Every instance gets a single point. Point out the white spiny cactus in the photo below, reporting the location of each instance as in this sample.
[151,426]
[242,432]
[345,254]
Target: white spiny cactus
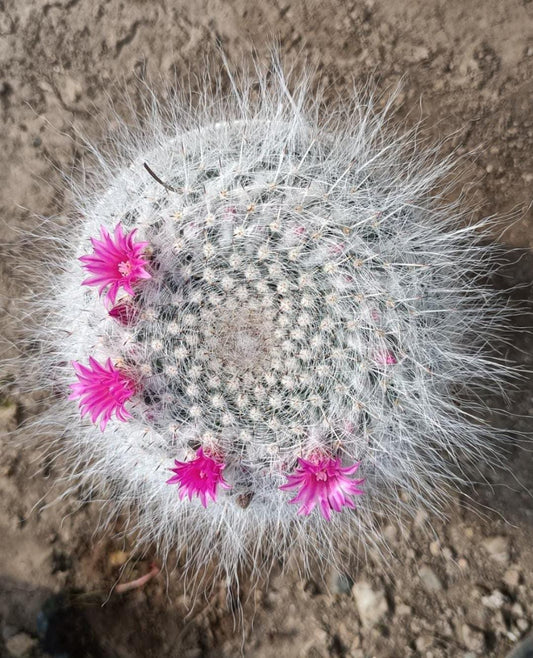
[309,298]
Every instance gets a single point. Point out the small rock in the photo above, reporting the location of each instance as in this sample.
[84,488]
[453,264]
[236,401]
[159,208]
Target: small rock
[429,579]
[522,625]
[517,610]
[511,577]
[444,628]
[118,558]
[70,90]
[434,548]
[390,533]
[498,548]
[20,645]
[494,601]
[423,643]
[473,639]
[340,583]
[462,564]
[371,603]
[419,54]
[512,635]
[8,414]
[403,610]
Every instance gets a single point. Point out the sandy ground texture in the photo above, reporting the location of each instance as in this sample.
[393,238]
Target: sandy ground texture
[466,588]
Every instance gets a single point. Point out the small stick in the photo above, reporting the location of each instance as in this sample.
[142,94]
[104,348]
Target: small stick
[138,582]
[156,177]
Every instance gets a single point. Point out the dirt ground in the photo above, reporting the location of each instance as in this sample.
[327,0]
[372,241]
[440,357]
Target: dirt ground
[464,590]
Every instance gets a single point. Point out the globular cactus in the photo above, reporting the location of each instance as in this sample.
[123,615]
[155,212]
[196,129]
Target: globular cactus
[265,304]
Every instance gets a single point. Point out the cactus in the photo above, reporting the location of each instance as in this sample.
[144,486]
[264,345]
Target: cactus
[262,307]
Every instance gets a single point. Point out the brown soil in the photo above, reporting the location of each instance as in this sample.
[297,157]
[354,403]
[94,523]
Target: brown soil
[467,589]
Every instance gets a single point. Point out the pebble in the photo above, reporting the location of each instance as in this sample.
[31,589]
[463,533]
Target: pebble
[371,603]
[511,577]
[340,583]
[429,579]
[423,643]
[70,90]
[419,54]
[403,610]
[8,414]
[494,601]
[498,548]
[118,558]
[20,645]
[473,639]
[522,625]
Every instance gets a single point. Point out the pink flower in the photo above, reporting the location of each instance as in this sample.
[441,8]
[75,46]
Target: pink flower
[103,390]
[199,477]
[116,262]
[385,358]
[125,313]
[322,480]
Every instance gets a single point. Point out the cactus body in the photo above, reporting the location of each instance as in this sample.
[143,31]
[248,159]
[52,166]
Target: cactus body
[306,309]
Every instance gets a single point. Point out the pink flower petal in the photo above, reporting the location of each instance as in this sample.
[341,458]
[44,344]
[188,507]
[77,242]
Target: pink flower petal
[385,358]
[125,313]
[199,477]
[117,262]
[323,481]
[103,391]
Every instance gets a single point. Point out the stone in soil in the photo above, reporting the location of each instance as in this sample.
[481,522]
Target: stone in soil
[429,579]
[371,603]
[497,548]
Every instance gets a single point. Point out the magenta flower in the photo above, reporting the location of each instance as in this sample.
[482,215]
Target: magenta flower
[103,391]
[116,262]
[199,477]
[322,480]
[385,358]
[125,313]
